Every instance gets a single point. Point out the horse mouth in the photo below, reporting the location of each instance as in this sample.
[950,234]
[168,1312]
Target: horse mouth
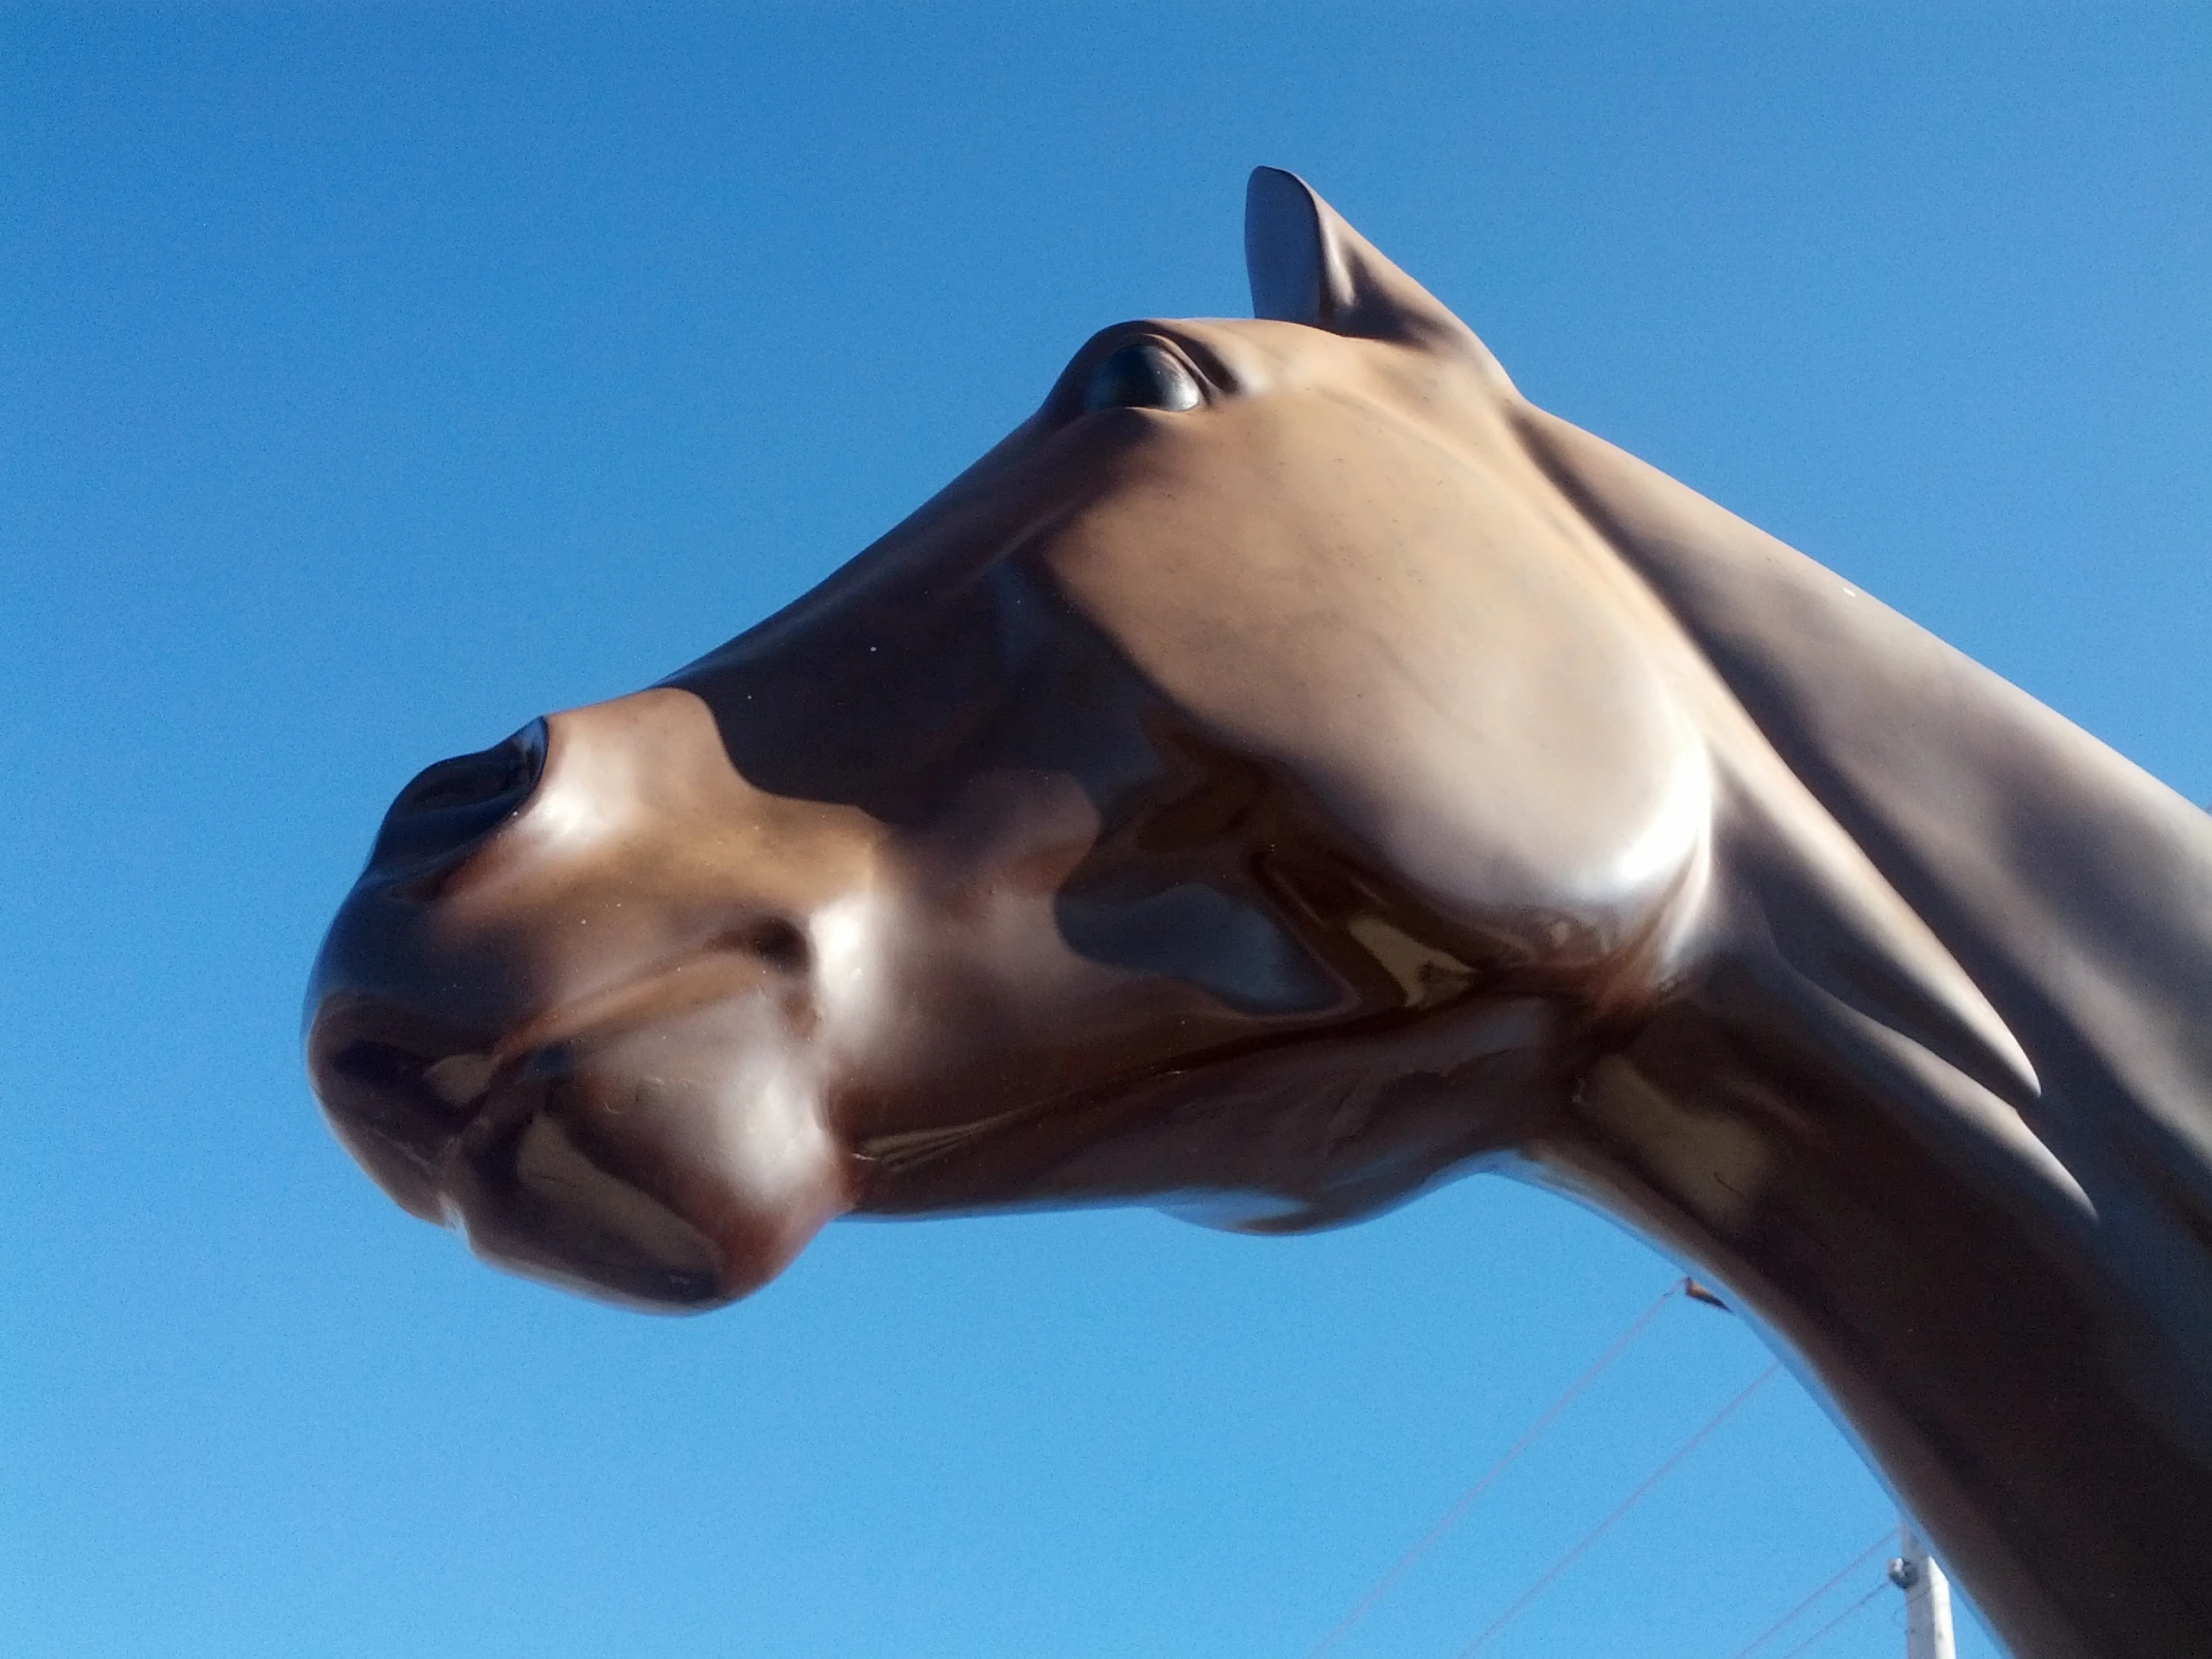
[542,1181]
[518,1155]
[393,1092]
[656,1145]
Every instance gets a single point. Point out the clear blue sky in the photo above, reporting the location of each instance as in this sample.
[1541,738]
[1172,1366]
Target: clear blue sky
[370,381]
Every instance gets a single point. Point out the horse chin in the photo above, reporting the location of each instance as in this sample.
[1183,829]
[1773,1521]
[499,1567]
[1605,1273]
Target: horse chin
[677,1164]
[538,1203]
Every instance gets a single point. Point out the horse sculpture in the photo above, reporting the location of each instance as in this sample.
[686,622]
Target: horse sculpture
[1292,771]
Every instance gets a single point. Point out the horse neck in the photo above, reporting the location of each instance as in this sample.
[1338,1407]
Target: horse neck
[2004,1288]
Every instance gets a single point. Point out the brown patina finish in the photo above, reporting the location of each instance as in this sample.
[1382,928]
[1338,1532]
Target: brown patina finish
[1292,771]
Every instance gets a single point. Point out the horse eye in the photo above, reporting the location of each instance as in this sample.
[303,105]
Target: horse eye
[1141,375]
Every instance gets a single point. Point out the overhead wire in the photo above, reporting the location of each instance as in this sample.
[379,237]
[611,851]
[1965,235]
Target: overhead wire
[1650,1482]
[1887,1536]
[1822,1634]
[1451,1517]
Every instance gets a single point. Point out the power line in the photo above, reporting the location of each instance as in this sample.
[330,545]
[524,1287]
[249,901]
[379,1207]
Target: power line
[1606,1525]
[1821,1634]
[1451,1517]
[1881,1541]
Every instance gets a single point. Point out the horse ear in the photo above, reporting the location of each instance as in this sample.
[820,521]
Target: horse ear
[1307,266]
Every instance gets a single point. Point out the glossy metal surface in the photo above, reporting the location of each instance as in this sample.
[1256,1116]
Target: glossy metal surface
[1291,771]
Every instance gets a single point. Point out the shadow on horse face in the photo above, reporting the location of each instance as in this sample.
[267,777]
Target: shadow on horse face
[1251,788]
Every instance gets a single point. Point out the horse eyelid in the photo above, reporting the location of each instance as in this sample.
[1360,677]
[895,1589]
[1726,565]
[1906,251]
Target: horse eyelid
[1215,377]
[1205,371]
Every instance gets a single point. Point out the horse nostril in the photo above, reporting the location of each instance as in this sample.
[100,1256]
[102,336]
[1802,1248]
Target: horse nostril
[454,804]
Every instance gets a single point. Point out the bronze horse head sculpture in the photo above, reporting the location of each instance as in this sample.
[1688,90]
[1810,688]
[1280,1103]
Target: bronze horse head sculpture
[1292,771]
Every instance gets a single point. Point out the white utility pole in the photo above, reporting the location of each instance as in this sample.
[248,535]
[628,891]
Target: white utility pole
[1928,1632]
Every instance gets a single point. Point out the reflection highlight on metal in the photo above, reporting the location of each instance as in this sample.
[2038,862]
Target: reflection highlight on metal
[1292,771]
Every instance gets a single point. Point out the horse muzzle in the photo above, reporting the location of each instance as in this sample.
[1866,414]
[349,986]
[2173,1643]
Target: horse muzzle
[558,1011]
